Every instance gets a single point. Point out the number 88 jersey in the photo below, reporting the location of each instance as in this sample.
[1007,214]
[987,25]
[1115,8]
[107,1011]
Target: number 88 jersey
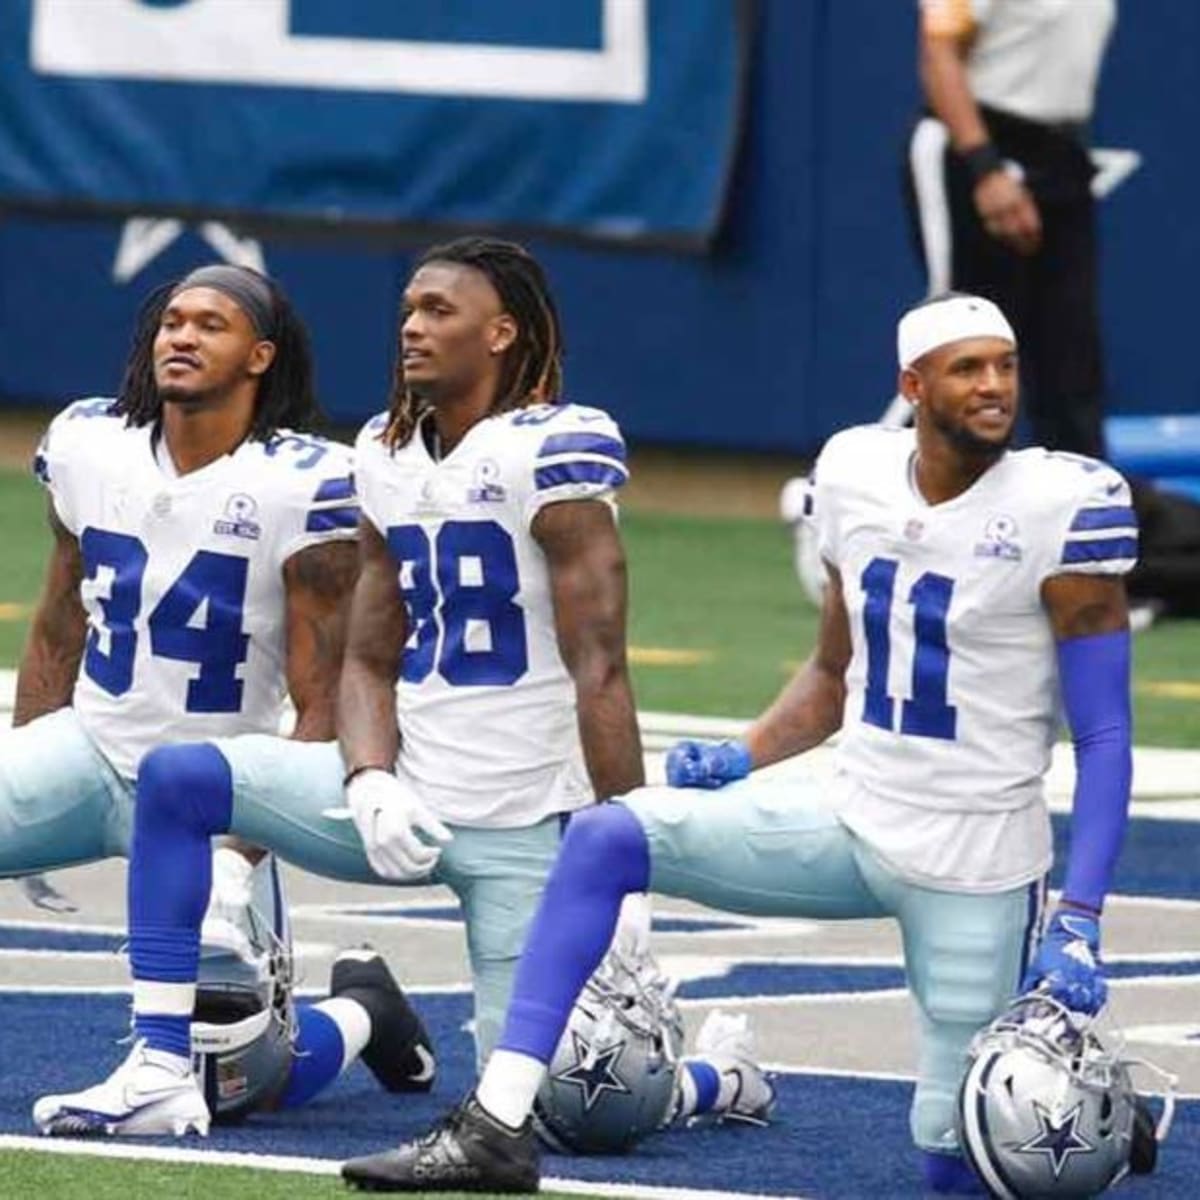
[486,707]
[183,574]
[952,699]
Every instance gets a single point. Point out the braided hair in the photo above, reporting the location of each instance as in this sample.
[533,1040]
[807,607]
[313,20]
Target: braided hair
[531,368]
[286,393]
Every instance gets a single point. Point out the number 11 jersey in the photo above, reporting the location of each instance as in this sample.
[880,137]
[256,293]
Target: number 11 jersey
[952,699]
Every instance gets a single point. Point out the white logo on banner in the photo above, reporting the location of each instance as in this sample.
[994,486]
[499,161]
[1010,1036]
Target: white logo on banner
[143,239]
[215,41]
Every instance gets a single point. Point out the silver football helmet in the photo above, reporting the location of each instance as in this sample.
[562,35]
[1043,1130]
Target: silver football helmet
[612,1077]
[1046,1111]
[244,1020]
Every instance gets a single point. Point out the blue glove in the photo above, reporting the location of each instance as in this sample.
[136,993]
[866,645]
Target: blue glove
[707,764]
[1067,964]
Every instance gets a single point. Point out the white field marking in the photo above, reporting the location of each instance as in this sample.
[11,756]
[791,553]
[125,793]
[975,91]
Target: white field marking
[54,926]
[379,912]
[179,1154]
[332,1166]
[301,952]
[1151,957]
[122,989]
[810,999]
[781,1068]
[1179,1035]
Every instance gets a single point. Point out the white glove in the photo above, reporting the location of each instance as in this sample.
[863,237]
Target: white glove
[389,815]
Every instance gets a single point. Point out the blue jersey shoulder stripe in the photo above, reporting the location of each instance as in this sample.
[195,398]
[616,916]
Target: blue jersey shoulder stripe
[579,472]
[583,443]
[1117,517]
[321,520]
[341,488]
[1100,550]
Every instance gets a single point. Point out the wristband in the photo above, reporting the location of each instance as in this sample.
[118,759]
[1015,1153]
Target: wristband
[981,160]
[355,772]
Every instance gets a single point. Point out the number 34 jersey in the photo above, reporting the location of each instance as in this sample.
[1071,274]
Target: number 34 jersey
[183,574]
[488,723]
[952,699]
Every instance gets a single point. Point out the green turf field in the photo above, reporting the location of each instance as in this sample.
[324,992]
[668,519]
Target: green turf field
[65,1177]
[719,594]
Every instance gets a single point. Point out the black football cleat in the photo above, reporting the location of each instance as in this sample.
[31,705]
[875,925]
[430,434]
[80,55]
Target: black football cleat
[399,1054]
[468,1151]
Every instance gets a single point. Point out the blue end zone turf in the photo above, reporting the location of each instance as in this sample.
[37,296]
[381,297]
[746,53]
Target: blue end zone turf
[1158,859]
[46,937]
[834,1137]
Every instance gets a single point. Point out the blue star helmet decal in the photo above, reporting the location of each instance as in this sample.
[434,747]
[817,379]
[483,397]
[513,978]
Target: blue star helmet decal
[1059,1137]
[595,1071]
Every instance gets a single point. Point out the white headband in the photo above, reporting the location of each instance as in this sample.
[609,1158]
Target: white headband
[941,322]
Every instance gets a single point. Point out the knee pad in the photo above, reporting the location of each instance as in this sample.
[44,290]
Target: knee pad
[188,784]
[606,846]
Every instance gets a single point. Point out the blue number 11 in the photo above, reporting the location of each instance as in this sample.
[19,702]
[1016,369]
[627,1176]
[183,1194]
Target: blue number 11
[927,714]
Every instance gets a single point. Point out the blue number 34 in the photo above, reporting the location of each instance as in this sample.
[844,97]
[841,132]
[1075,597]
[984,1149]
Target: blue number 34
[927,714]
[217,581]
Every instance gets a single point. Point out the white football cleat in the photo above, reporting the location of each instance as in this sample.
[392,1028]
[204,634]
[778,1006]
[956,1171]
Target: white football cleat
[148,1095]
[726,1041]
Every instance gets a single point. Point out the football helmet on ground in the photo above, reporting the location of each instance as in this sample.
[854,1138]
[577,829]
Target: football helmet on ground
[244,1020]
[612,1076]
[1046,1111]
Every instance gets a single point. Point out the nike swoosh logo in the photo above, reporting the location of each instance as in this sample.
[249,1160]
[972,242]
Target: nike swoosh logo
[136,1098]
[428,1065]
[1114,488]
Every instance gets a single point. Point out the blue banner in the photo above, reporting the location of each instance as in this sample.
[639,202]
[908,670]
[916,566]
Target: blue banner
[608,118]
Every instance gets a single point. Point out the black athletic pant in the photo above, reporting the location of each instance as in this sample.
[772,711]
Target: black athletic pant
[1050,297]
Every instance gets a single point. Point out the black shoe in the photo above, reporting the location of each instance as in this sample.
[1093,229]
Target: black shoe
[399,1053]
[468,1151]
[1143,1149]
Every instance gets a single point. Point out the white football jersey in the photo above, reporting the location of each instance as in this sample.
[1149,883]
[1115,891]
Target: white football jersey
[183,574]
[486,707]
[952,701]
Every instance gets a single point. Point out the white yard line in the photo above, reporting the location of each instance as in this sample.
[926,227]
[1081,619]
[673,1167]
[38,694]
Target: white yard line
[329,1166]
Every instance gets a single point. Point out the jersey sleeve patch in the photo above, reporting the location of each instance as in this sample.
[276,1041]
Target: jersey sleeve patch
[333,506]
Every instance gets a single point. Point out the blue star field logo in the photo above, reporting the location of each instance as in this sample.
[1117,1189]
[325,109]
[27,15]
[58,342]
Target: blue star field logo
[1059,1138]
[594,1071]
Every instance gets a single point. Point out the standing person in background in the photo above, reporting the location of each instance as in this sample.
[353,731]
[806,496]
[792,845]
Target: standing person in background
[998,186]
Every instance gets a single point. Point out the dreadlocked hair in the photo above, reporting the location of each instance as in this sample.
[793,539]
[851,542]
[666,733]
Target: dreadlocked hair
[531,369]
[286,397]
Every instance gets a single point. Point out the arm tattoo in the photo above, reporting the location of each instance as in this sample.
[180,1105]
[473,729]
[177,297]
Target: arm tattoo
[50,663]
[319,581]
